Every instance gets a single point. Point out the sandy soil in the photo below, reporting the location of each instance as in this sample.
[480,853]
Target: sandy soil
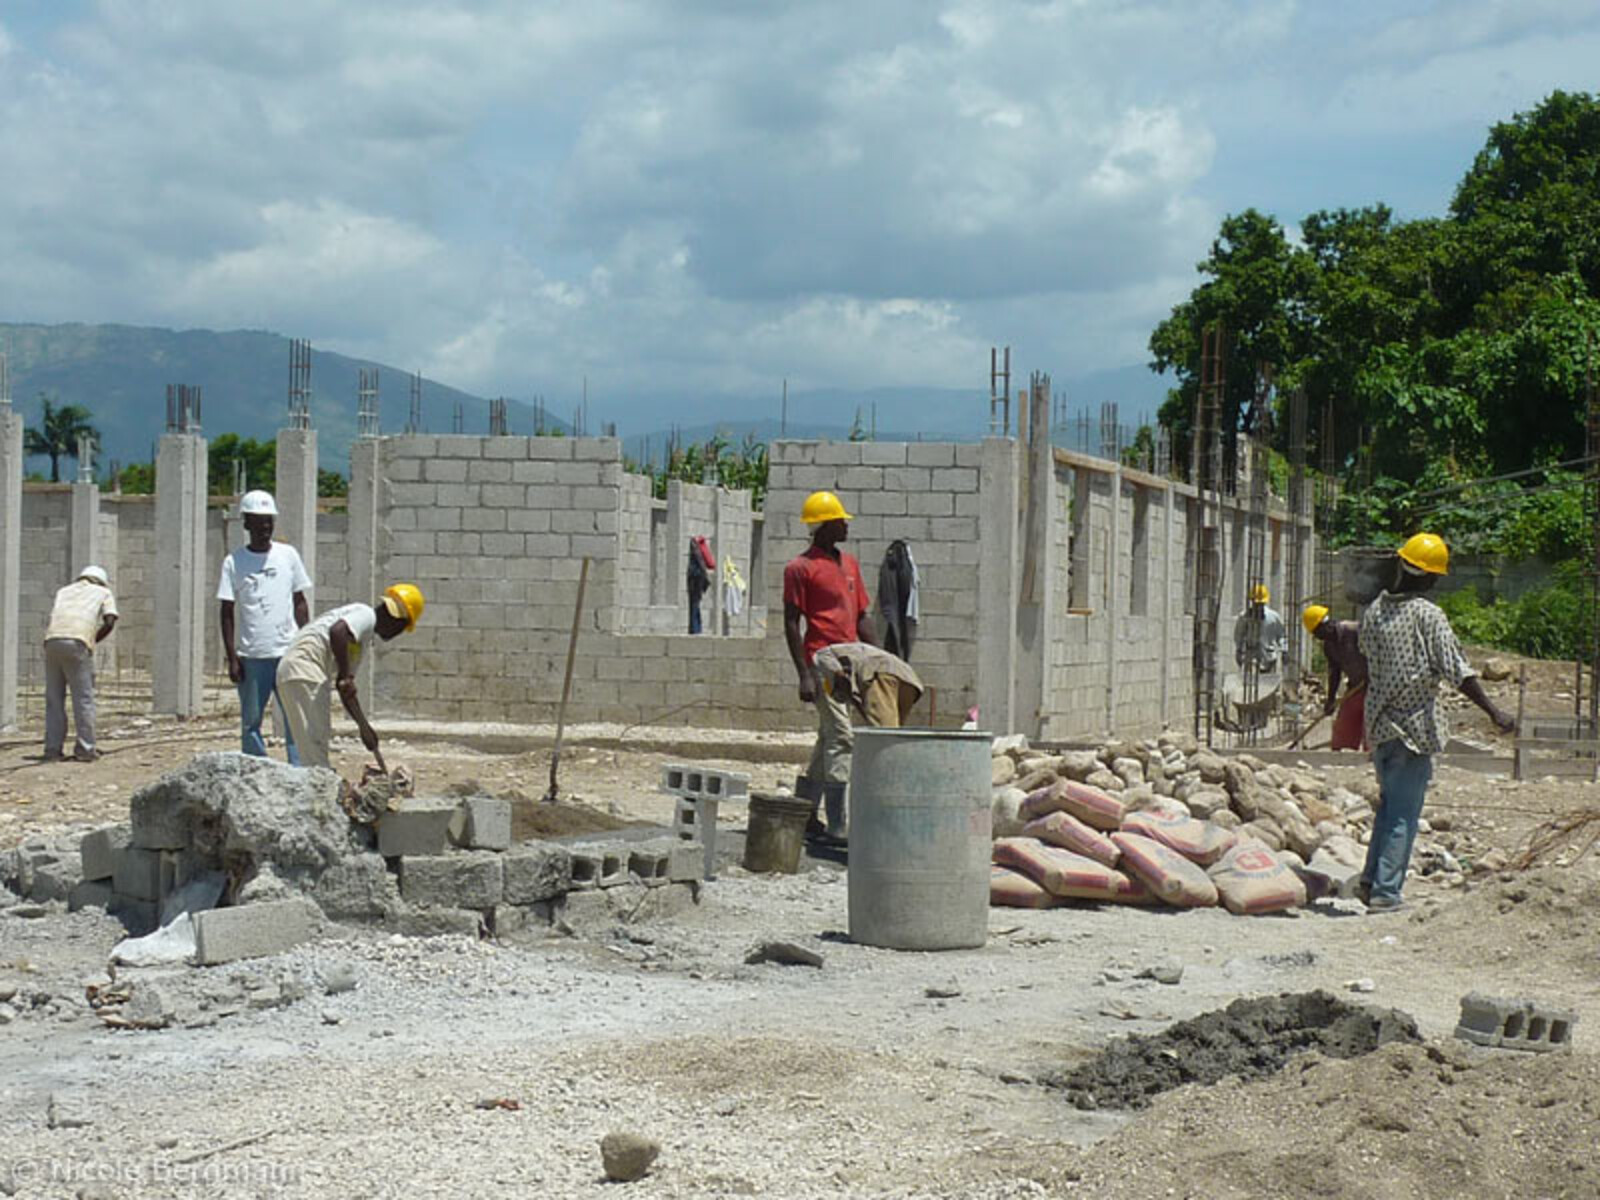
[880,1074]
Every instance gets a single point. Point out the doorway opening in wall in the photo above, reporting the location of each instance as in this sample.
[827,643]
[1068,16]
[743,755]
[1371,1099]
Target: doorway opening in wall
[659,588]
[1078,546]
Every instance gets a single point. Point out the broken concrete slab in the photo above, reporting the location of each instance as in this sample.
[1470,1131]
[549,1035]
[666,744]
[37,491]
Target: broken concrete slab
[417,827]
[55,874]
[464,879]
[536,871]
[253,930]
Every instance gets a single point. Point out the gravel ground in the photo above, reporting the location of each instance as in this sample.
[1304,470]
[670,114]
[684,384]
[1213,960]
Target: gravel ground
[879,1074]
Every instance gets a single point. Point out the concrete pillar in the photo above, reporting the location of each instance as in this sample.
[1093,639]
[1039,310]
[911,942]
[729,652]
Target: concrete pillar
[10,559]
[998,463]
[1115,598]
[84,530]
[1036,559]
[677,535]
[296,493]
[365,582]
[177,669]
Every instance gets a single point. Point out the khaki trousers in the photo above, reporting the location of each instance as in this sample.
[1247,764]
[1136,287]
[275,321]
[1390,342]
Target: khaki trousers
[308,707]
[68,666]
[830,757]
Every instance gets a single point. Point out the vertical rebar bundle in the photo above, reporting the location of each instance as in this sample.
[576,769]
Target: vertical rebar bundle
[1207,472]
[457,424]
[1110,435]
[5,383]
[183,408]
[367,403]
[1327,509]
[999,393]
[1163,464]
[1294,597]
[414,421]
[299,384]
[497,418]
[1257,444]
[85,459]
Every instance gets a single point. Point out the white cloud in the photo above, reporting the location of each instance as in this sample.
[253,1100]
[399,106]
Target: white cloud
[703,197]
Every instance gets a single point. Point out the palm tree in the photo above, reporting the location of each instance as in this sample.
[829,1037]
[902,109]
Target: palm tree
[62,427]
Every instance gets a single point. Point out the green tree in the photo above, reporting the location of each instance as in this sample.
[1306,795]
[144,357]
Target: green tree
[331,483]
[260,459]
[58,433]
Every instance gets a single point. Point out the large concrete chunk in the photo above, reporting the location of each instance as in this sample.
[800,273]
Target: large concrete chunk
[468,879]
[99,850]
[55,874]
[417,827]
[231,805]
[252,930]
[536,871]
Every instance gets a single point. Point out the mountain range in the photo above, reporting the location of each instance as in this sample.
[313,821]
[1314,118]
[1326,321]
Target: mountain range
[120,374]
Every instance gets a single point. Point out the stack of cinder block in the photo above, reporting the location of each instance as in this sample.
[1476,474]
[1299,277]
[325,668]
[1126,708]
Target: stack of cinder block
[699,792]
[291,858]
[1515,1024]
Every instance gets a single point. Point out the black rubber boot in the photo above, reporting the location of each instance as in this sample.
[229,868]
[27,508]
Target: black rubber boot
[806,789]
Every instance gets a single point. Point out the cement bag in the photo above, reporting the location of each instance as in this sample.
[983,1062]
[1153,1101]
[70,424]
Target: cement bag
[1195,840]
[1044,800]
[1096,809]
[1005,812]
[1013,889]
[1063,873]
[1065,830]
[1168,874]
[1252,880]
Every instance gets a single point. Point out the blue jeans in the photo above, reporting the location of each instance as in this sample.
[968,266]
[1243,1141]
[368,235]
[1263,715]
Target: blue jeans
[1402,782]
[255,690]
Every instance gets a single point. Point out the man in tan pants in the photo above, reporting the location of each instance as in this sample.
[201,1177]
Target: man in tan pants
[82,617]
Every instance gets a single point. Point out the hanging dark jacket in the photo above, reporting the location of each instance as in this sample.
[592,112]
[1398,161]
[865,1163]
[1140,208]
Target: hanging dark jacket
[897,586]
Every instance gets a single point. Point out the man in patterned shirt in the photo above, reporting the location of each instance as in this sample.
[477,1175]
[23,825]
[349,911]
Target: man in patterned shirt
[1410,648]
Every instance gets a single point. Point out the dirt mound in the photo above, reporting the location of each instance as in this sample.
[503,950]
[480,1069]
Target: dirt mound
[1425,1122]
[532,819]
[1527,917]
[1250,1038]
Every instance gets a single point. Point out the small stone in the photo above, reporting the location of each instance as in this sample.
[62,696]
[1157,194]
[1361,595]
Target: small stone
[1166,972]
[627,1156]
[341,977]
[29,911]
[1362,985]
[330,1018]
[785,953]
[945,991]
[7,1014]
[7,990]
[166,1143]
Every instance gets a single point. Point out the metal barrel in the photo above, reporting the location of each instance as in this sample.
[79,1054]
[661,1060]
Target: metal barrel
[920,838]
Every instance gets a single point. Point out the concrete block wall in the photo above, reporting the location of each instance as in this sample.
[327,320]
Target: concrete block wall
[46,566]
[330,587]
[653,550]
[134,580]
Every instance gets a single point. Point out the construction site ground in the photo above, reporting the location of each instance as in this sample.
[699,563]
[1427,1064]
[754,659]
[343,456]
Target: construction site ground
[458,1067]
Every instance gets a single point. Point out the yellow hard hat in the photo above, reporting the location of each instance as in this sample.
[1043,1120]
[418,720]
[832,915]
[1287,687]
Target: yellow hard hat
[1427,554]
[823,506]
[1314,615]
[407,599]
[1259,594]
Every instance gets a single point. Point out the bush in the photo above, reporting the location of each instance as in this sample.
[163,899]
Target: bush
[1553,622]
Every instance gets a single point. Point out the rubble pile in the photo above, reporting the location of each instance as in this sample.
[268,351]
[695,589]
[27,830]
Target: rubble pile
[285,854]
[1165,819]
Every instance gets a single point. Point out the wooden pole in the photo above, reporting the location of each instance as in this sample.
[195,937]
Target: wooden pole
[566,685]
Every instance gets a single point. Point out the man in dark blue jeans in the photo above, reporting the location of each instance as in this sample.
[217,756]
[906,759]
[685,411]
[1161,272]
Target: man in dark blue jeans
[1410,648]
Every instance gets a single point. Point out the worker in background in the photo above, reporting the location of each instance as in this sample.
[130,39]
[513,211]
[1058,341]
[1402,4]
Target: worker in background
[1259,632]
[1341,647]
[323,658]
[262,595]
[1410,648]
[825,603]
[83,616]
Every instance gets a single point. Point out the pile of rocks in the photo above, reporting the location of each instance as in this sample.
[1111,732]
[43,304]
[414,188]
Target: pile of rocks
[1292,810]
[287,856]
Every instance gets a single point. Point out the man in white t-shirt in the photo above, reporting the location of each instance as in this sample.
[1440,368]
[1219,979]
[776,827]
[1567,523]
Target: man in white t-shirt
[263,600]
[81,618]
[323,658]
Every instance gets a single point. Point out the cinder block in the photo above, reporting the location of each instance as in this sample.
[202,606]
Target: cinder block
[155,823]
[1515,1024]
[357,888]
[536,871]
[696,820]
[609,862]
[145,874]
[55,873]
[252,930]
[422,921]
[91,893]
[482,823]
[420,827]
[469,879]
[648,862]
[100,849]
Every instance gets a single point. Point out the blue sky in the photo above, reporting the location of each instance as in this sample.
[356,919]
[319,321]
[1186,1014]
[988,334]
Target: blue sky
[687,203]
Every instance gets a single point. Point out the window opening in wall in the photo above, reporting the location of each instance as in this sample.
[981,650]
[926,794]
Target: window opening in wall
[758,561]
[1079,547]
[1139,567]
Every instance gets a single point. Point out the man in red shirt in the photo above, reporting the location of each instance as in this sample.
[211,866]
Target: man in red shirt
[823,587]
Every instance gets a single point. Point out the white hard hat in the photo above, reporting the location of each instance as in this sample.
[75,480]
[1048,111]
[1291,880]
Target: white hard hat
[98,574]
[258,504]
